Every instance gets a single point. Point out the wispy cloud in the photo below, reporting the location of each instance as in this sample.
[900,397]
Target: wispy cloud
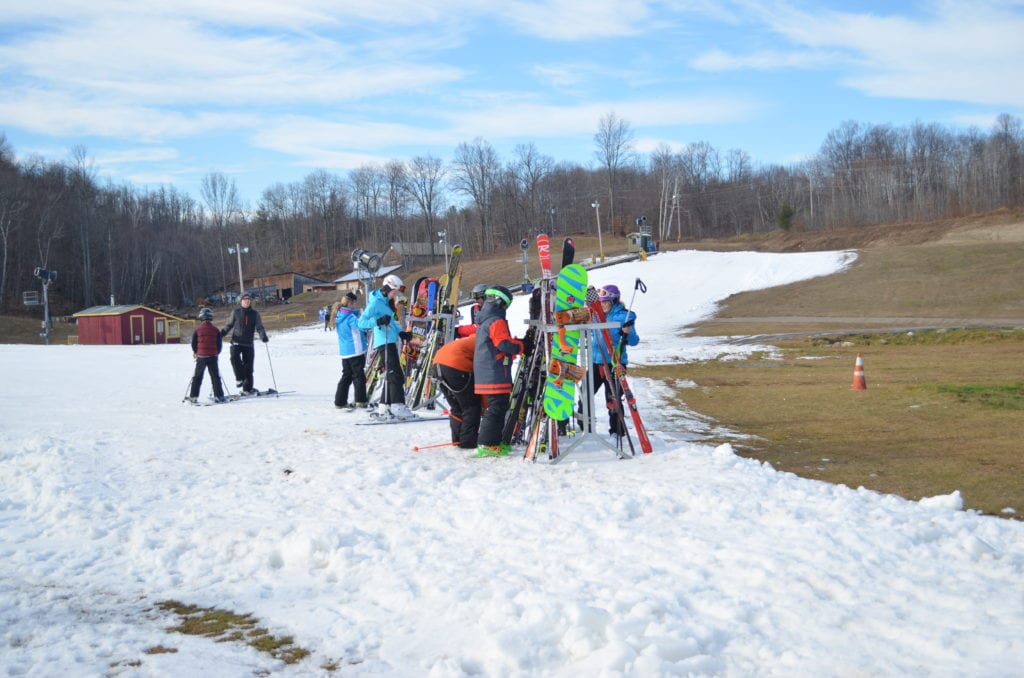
[767,60]
[576,20]
[958,52]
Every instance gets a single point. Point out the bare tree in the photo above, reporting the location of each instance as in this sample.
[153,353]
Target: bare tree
[614,140]
[475,172]
[221,197]
[424,176]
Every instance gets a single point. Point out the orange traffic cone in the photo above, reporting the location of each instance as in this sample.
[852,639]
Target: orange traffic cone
[859,383]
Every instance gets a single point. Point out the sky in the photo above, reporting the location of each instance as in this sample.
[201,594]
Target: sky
[267,92]
[384,561]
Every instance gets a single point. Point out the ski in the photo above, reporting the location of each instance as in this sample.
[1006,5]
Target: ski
[568,252]
[544,254]
[613,372]
[387,422]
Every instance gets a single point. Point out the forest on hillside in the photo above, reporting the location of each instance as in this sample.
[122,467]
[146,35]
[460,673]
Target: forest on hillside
[163,246]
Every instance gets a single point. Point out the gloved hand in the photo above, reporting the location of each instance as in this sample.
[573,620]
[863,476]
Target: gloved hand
[383,320]
[620,370]
[405,335]
[265,338]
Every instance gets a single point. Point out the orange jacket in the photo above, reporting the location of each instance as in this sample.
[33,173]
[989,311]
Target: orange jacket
[457,354]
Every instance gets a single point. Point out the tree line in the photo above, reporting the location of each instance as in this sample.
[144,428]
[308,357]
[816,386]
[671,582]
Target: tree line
[162,246]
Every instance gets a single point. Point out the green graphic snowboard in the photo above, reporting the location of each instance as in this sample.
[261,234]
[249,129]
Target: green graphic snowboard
[570,293]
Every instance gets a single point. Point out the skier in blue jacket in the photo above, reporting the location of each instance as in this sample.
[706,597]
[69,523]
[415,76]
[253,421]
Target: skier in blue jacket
[623,335]
[379,315]
[352,348]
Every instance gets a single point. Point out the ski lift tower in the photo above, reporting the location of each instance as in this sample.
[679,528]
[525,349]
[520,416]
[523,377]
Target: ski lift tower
[46,277]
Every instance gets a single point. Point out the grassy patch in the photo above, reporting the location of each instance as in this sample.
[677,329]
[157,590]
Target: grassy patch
[928,424]
[227,626]
[1008,396]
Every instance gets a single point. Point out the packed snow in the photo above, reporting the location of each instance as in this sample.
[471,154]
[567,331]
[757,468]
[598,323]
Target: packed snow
[382,561]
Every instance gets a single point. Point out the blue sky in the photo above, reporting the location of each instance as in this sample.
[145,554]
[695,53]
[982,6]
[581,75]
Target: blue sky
[266,91]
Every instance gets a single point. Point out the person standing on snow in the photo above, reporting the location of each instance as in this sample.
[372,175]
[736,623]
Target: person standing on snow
[469,330]
[454,365]
[622,336]
[206,347]
[379,316]
[352,348]
[244,324]
[496,348]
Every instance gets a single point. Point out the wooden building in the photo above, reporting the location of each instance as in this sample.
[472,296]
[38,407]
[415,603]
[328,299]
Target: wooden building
[128,324]
[283,286]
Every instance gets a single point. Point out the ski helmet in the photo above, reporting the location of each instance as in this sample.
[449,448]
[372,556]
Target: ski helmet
[479,291]
[609,293]
[499,293]
[205,314]
[393,282]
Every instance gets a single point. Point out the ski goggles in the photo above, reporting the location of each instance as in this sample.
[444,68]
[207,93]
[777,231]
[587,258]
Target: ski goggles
[498,295]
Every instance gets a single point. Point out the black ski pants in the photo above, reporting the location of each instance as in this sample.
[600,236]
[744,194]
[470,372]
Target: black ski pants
[493,422]
[202,365]
[394,378]
[242,356]
[352,374]
[616,424]
[463,405]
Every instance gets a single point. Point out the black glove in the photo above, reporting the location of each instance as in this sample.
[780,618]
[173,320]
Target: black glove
[383,320]
[265,338]
[405,335]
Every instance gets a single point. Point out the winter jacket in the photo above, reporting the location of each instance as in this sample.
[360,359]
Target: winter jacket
[351,339]
[245,322]
[206,341]
[617,314]
[495,350]
[376,306]
[457,354]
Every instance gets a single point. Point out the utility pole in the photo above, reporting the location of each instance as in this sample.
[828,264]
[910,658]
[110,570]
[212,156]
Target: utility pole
[597,211]
[238,249]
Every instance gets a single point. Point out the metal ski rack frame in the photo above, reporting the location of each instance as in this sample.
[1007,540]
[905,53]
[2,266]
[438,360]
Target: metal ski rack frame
[587,385]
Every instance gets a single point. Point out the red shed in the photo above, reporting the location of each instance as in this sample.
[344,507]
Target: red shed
[131,324]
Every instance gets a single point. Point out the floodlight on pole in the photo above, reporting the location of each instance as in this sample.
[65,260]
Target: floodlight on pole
[597,211]
[443,235]
[239,250]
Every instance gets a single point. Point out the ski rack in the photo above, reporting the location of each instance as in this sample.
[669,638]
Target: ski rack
[587,395]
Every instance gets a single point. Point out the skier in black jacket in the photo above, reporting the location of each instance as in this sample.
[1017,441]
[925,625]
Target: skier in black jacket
[245,323]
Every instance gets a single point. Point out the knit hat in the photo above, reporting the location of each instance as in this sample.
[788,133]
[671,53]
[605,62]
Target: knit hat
[350,296]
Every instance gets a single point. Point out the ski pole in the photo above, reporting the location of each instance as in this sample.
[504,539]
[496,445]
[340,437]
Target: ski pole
[638,285]
[417,448]
[271,364]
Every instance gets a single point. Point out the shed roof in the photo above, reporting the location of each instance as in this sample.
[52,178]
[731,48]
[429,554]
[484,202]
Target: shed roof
[120,309]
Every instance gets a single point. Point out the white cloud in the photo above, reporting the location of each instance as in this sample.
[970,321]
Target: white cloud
[576,20]
[61,115]
[719,60]
[971,52]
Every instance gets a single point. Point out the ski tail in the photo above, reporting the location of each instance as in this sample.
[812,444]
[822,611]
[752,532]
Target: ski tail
[544,254]
[568,252]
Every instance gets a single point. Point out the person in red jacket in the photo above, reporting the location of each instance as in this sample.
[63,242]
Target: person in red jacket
[496,349]
[454,365]
[206,346]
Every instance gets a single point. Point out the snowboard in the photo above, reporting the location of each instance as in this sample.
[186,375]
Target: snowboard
[570,293]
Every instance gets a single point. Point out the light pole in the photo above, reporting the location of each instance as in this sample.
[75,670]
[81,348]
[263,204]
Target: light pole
[238,249]
[597,211]
[443,235]
[552,221]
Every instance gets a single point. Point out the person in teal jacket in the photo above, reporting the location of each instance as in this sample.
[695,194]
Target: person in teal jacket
[623,336]
[352,348]
[379,316]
